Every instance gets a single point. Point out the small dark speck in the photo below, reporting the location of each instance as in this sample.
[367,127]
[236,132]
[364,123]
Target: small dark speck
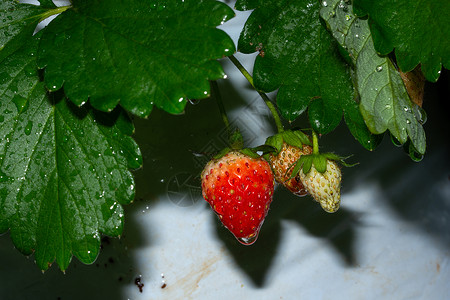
[163,286]
[438,267]
[138,283]
[111,260]
[120,278]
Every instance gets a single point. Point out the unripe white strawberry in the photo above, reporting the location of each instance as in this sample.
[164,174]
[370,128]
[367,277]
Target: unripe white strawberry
[325,187]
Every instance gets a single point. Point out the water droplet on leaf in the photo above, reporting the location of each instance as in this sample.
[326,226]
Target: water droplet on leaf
[20,103]
[28,128]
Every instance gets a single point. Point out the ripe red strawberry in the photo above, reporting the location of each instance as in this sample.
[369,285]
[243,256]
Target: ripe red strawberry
[282,167]
[239,189]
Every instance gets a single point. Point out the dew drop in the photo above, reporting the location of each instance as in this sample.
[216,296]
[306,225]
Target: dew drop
[408,121]
[20,103]
[347,17]
[379,68]
[332,14]
[388,106]
[324,3]
[28,128]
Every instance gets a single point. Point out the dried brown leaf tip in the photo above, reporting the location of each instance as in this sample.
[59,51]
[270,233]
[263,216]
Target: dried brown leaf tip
[415,84]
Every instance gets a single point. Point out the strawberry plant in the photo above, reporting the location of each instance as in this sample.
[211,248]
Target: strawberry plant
[69,92]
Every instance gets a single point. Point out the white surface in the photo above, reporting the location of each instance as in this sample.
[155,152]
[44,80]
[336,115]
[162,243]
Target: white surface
[389,240]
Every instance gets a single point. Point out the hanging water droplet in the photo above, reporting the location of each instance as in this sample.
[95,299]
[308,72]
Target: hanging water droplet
[420,114]
[248,240]
[379,68]
[194,101]
[324,3]
[405,108]
[408,121]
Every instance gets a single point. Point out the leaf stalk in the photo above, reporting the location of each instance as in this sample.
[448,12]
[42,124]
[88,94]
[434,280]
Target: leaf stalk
[270,105]
[55,11]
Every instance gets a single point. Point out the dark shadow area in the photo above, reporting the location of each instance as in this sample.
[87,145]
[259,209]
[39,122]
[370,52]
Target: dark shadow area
[255,260]
[104,279]
[418,192]
[336,229]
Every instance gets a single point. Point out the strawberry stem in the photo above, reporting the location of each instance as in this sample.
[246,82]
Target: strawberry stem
[315,143]
[270,105]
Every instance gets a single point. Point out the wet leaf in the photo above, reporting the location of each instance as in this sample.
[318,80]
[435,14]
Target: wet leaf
[385,104]
[17,24]
[139,53]
[300,58]
[417,30]
[64,170]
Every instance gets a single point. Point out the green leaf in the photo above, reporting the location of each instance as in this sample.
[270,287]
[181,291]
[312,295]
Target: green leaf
[138,53]
[246,4]
[63,170]
[385,104]
[17,24]
[47,3]
[357,126]
[298,56]
[275,141]
[418,30]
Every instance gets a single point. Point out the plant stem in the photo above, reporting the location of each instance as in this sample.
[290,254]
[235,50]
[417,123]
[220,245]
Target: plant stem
[266,99]
[218,98]
[315,143]
[54,11]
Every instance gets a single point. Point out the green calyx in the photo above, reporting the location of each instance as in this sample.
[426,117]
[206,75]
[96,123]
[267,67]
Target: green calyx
[319,160]
[237,144]
[294,138]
